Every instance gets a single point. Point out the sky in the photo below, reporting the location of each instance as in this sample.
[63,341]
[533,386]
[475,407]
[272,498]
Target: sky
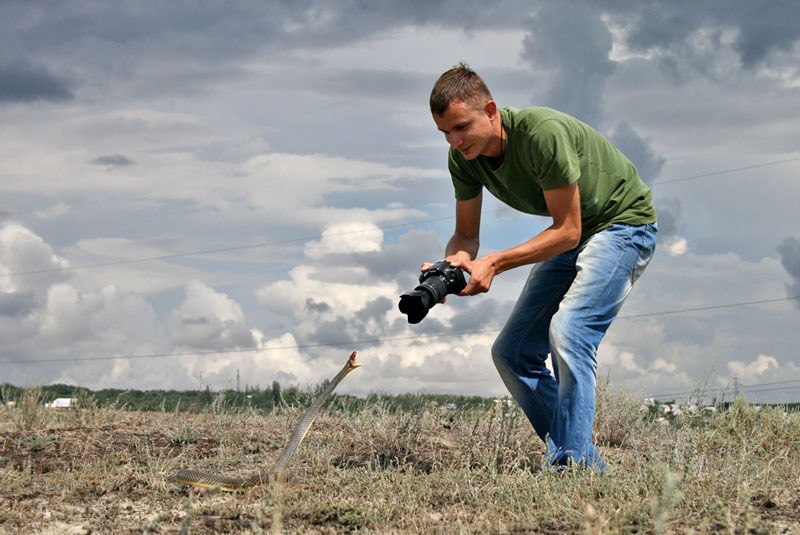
[225,194]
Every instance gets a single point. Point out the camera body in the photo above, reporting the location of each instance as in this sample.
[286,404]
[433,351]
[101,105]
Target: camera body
[437,281]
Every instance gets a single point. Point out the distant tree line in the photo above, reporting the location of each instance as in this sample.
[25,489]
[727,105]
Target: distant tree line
[254,398]
[266,399]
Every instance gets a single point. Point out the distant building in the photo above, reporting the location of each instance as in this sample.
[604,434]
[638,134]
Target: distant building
[62,404]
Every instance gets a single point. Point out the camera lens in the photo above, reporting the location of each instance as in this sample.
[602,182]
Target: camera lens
[435,283]
[412,304]
[416,303]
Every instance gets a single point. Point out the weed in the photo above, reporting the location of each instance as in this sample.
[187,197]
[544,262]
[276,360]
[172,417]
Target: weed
[37,442]
[28,412]
[184,435]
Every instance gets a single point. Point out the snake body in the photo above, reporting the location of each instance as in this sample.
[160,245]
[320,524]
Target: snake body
[199,478]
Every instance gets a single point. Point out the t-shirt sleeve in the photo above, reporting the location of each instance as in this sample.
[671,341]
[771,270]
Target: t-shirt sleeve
[465,184]
[555,157]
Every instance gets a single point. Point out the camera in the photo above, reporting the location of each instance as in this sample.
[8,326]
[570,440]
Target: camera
[437,281]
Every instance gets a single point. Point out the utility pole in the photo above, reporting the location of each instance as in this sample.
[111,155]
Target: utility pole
[237,380]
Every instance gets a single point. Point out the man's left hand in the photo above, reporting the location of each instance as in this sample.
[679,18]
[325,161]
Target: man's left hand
[481,273]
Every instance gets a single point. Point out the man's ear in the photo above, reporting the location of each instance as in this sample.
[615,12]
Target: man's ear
[490,108]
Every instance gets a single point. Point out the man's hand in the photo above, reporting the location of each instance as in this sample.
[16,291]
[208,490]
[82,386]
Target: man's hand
[481,274]
[455,260]
[460,256]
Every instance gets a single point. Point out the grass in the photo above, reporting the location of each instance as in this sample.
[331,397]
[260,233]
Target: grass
[378,470]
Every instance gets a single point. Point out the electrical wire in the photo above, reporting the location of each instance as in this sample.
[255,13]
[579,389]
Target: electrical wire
[220,250]
[725,171]
[742,389]
[173,256]
[359,343]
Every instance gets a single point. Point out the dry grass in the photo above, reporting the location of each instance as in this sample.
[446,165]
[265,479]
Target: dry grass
[430,470]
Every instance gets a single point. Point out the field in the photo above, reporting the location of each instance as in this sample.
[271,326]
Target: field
[429,469]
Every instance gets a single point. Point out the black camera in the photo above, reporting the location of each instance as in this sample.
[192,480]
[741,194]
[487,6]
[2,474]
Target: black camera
[437,281]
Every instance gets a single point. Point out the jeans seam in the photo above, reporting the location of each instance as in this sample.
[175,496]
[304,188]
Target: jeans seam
[520,344]
[620,252]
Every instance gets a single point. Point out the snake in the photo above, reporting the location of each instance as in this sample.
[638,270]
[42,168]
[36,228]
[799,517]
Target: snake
[201,479]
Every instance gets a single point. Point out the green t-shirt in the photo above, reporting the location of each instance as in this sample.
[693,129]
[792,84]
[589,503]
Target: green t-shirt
[547,149]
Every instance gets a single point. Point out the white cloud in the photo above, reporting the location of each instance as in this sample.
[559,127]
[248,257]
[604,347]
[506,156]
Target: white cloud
[628,361]
[754,369]
[676,247]
[343,290]
[409,48]
[208,319]
[202,302]
[663,366]
[346,238]
[67,313]
[22,251]
[288,187]
[55,211]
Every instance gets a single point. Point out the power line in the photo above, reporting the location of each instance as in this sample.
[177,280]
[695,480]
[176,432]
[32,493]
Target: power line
[173,256]
[751,391]
[742,388]
[735,170]
[357,343]
[220,250]
[711,307]
[354,343]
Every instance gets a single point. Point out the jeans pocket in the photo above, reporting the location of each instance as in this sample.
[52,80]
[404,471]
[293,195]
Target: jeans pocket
[645,240]
[645,237]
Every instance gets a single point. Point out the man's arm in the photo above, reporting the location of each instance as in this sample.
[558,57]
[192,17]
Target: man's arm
[464,243]
[564,234]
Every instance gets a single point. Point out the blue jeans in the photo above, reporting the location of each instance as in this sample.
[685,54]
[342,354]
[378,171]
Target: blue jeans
[565,309]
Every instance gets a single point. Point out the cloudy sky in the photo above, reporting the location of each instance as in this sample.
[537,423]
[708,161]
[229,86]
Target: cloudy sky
[191,192]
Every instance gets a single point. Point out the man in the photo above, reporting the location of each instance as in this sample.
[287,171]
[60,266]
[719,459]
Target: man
[603,233]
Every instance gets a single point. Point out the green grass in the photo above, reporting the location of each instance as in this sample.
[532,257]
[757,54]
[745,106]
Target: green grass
[372,468]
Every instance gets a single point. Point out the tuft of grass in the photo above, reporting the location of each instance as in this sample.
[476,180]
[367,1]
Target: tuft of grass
[183,435]
[28,413]
[620,419]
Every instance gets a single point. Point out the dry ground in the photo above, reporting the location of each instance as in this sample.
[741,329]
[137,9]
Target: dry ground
[373,471]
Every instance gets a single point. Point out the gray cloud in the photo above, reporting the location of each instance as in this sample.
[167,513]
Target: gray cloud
[367,323]
[21,81]
[576,68]
[17,303]
[400,261]
[375,310]
[639,151]
[765,26]
[577,71]
[380,84]
[761,26]
[669,213]
[485,313]
[789,250]
[204,333]
[312,305]
[113,160]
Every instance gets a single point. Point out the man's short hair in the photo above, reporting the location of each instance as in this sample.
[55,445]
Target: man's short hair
[460,83]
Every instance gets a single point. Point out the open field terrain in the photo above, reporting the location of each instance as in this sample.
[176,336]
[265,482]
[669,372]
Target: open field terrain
[374,470]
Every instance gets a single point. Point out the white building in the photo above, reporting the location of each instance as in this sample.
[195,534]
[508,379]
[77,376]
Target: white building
[62,403]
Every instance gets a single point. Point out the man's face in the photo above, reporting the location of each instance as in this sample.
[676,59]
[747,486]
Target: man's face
[468,128]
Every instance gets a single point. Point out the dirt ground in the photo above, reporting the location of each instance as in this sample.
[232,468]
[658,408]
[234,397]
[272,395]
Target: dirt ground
[106,472]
